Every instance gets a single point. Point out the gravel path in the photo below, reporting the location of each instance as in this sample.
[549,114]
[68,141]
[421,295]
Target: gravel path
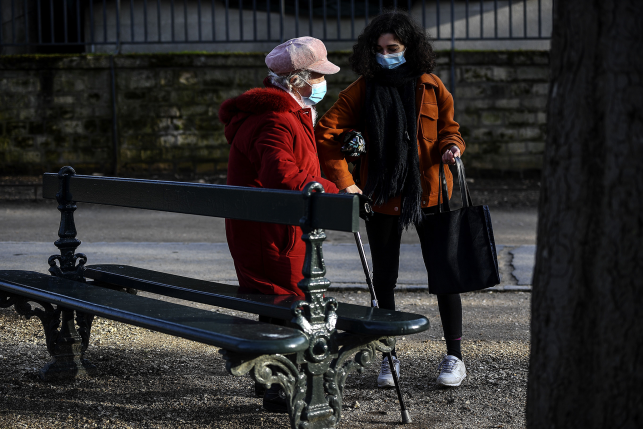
[151,380]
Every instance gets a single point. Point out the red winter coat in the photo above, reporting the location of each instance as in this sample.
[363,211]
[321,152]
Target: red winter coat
[272,145]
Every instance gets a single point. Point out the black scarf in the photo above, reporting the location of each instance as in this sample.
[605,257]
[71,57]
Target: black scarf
[390,122]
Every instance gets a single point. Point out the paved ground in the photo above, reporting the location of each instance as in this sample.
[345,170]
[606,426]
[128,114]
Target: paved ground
[192,245]
[38,221]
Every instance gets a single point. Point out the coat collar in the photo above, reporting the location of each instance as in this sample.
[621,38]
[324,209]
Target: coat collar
[428,79]
[256,101]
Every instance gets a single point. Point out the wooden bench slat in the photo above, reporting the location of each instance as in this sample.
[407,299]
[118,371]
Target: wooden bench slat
[225,331]
[332,211]
[353,318]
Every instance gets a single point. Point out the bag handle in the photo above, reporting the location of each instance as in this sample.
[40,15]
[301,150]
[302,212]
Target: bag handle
[464,188]
[442,190]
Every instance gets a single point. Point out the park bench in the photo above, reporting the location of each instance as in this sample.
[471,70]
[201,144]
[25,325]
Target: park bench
[310,356]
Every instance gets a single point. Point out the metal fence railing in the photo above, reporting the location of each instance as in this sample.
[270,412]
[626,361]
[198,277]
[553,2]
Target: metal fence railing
[102,25]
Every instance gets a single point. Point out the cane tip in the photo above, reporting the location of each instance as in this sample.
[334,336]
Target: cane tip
[406,417]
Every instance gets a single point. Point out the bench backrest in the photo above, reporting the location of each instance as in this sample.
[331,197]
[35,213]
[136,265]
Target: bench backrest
[325,211]
[311,209]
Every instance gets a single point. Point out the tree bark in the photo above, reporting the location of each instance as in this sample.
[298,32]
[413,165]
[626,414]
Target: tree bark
[586,367]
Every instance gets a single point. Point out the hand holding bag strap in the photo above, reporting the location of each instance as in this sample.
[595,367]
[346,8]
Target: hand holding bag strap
[464,188]
[443,190]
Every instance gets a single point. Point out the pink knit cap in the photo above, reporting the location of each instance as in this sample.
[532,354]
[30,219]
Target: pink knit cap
[302,53]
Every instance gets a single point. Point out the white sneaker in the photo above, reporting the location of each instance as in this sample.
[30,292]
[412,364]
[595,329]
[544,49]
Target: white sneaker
[452,372]
[385,379]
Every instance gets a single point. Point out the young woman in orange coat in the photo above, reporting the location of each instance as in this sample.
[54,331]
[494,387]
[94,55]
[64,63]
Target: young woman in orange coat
[406,116]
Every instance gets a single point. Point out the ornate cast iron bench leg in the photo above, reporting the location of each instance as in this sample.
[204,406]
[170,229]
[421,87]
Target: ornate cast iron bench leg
[66,343]
[314,390]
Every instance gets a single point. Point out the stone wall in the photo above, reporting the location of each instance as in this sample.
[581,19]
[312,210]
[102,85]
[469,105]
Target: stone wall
[500,103]
[57,110]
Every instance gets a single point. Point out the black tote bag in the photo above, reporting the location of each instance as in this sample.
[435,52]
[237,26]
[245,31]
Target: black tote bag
[459,248]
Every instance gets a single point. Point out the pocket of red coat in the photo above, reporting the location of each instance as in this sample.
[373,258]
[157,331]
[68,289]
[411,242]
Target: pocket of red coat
[291,239]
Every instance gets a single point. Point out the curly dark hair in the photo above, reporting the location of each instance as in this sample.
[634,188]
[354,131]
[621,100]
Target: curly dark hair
[419,52]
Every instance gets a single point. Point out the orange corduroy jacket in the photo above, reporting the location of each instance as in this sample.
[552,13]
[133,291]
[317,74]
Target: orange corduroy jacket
[436,127]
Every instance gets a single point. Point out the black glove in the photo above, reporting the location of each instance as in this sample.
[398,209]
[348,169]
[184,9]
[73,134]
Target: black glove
[354,144]
[365,207]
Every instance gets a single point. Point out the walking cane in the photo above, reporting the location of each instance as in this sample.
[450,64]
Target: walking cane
[406,417]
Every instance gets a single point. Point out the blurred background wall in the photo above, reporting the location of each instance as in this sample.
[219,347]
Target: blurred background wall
[133,87]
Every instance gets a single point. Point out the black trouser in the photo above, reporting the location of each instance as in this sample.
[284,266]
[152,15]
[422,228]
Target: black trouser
[384,236]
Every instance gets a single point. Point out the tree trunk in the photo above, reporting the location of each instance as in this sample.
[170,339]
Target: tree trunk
[586,368]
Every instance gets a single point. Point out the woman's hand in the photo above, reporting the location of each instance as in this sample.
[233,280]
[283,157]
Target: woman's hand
[353,189]
[449,155]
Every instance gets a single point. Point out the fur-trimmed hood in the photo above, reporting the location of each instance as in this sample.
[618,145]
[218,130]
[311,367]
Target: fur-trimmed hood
[235,111]
[257,100]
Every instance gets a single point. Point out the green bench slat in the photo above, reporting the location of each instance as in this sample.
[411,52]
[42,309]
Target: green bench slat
[352,318]
[331,211]
[228,332]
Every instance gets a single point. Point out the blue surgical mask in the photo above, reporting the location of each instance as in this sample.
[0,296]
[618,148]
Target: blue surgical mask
[391,61]
[319,90]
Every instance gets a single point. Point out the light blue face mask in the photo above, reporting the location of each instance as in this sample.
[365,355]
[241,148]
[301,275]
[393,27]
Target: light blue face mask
[319,90]
[391,61]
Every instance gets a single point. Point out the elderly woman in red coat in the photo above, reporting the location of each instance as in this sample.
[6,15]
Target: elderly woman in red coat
[272,145]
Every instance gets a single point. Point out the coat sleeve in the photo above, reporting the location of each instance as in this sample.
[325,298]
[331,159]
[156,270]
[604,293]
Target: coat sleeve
[448,128]
[273,158]
[343,116]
